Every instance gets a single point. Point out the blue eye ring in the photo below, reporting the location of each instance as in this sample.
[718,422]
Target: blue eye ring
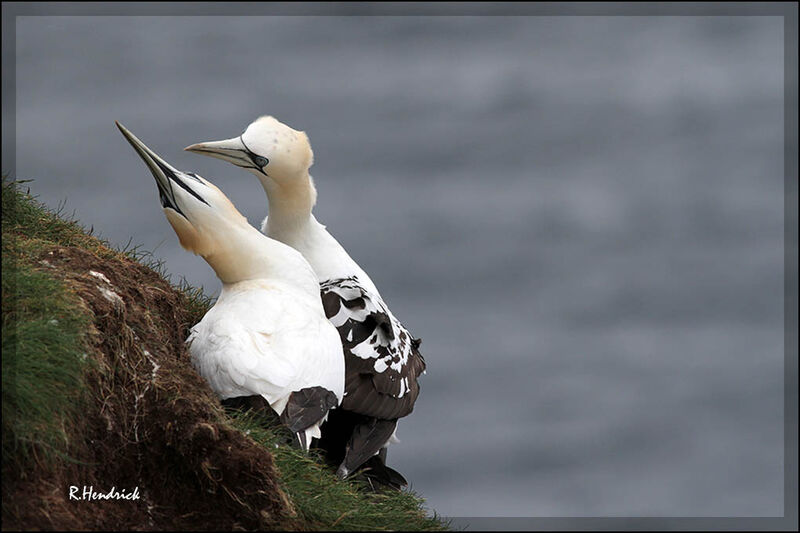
[257,160]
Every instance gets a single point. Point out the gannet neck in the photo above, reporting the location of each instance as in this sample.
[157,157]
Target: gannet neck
[290,202]
[243,254]
[321,249]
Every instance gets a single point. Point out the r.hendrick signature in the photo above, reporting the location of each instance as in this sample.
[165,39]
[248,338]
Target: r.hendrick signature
[90,494]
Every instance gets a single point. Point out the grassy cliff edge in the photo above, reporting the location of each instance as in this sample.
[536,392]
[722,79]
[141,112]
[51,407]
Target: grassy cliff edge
[98,391]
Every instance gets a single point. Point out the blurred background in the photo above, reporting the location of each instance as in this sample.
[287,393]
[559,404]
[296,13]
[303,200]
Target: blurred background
[582,217]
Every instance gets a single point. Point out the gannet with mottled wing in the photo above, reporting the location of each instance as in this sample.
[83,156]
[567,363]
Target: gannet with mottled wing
[267,334]
[382,359]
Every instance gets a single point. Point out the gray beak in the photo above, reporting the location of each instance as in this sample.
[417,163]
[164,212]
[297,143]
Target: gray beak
[230,150]
[165,174]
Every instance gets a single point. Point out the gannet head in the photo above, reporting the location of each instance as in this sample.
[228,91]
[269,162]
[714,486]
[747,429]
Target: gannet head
[268,148]
[206,221]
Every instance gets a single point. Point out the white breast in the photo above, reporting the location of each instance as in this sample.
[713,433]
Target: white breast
[269,339]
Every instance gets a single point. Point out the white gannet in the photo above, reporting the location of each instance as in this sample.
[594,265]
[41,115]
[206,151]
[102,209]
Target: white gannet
[267,334]
[382,359]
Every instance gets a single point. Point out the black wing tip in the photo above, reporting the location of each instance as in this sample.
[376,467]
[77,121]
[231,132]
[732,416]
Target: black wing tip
[306,407]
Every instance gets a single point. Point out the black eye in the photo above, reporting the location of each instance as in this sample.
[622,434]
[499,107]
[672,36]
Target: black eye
[260,161]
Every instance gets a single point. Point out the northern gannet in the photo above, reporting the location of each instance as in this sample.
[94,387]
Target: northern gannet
[382,358]
[267,334]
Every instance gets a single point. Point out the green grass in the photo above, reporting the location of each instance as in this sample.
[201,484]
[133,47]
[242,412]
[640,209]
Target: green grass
[24,216]
[44,361]
[324,501]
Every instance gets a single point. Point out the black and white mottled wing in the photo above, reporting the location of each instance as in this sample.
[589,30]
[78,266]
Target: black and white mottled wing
[382,360]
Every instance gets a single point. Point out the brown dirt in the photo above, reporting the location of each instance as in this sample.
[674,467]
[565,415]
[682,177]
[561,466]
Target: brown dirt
[153,423]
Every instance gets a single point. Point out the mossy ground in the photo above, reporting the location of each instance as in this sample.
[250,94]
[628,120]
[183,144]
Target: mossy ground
[98,390]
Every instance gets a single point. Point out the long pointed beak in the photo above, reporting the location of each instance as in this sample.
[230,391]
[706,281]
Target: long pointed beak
[230,150]
[164,173]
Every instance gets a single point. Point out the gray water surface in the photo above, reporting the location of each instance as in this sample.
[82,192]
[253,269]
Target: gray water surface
[582,217]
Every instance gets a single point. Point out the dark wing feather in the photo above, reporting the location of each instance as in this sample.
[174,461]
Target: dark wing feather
[366,440]
[306,407]
[382,360]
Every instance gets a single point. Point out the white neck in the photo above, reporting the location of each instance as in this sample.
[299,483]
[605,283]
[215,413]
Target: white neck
[245,254]
[290,221]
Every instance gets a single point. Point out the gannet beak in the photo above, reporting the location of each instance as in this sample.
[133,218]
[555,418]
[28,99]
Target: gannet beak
[164,173]
[230,150]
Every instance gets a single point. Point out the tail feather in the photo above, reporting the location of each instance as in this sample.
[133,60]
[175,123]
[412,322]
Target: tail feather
[379,476]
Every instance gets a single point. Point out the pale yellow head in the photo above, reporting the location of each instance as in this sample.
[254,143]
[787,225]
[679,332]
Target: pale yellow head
[277,154]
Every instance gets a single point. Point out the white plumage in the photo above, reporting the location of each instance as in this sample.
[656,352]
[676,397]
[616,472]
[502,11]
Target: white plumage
[267,334]
[266,337]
